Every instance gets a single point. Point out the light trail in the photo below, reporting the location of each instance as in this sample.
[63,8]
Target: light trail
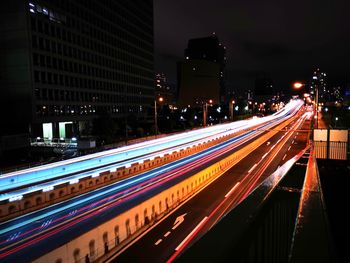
[51,171]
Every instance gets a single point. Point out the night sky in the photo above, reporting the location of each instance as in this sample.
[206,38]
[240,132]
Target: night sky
[285,39]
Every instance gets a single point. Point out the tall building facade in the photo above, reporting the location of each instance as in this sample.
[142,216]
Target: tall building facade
[201,74]
[164,90]
[65,62]
[198,82]
[263,85]
[318,82]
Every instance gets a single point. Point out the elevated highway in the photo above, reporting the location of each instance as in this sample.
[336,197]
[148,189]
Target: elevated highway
[57,225]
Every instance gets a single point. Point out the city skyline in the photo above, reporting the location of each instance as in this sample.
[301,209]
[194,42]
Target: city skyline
[285,40]
[105,158]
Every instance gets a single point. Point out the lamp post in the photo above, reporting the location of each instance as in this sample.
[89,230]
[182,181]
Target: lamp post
[231,106]
[160,99]
[205,112]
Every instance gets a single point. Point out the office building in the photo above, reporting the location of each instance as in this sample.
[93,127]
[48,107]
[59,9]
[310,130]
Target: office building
[318,82]
[164,90]
[66,62]
[201,74]
[199,82]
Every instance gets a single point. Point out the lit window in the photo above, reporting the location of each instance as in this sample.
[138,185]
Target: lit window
[31,8]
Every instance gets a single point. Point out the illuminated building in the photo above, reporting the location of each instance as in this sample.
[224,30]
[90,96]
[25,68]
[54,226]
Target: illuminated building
[318,82]
[164,90]
[66,62]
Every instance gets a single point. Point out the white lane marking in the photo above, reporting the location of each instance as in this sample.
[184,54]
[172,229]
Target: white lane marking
[284,157]
[157,243]
[295,137]
[264,156]
[273,147]
[292,141]
[233,188]
[268,143]
[190,234]
[289,148]
[251,169]
[179,220]
[167,234]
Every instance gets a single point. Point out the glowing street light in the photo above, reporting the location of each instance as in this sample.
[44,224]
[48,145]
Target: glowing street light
[205,111]
[231,105]
[160,99]
[298,85]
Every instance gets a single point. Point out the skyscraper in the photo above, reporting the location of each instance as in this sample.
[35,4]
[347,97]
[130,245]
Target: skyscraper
[318,82]
[164,90]
[263,85]
[209,49]
[64,62]
[201,74]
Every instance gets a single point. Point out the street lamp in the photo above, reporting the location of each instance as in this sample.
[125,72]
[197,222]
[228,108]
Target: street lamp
[160,99]
[205,111]
[231,106]
[298,85]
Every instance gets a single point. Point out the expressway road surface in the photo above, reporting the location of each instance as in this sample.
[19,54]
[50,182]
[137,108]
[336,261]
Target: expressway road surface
[169,237]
